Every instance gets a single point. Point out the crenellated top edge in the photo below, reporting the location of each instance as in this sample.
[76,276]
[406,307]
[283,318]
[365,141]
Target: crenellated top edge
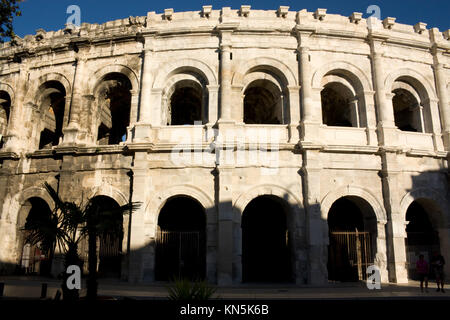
[319,21]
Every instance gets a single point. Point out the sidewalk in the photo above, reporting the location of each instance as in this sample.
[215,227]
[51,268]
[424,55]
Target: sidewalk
[30,287]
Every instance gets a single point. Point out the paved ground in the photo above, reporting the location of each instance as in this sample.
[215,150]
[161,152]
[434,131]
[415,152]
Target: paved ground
[30,287]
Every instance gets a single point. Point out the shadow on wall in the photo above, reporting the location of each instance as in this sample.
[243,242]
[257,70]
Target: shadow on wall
[270,238]
[426,209]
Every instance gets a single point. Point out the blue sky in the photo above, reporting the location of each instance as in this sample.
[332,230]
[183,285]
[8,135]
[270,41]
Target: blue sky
[51,14]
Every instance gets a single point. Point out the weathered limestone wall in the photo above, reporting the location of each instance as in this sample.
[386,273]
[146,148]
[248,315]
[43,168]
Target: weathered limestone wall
[224,51]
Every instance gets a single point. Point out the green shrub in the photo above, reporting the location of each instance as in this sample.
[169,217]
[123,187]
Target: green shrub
[184,289]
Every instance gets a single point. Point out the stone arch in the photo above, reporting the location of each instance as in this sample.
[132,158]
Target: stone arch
[365,194]
[111,192]
[53,76]
[267,189]
[153,210]
[97,76]
[8,89]
[417,80]
[185,65]
[271,64]
[31,192]
[295,220]
[349,70]
[437,202]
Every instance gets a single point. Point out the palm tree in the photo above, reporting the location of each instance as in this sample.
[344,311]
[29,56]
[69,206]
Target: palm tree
[68,224]
[59,229]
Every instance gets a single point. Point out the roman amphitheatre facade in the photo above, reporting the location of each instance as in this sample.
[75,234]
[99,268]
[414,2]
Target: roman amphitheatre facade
[264,146]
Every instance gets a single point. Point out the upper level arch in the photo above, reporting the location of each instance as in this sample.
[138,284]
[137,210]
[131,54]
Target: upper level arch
[268,65]
[98,76]
[424,88]
[35,94]
[342,88]
[347,70]
[412,96]
[185,66]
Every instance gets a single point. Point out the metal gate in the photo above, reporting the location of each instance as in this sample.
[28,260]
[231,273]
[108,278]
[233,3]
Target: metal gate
[350,253]
[180,254]
[110,255]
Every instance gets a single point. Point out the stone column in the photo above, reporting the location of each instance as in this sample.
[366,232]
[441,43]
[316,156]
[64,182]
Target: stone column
[381,254]
[386,123]
[440,45]
[225,84]
[316,226]
[225,231]
[396,227]
[140,251]
[310,123]
[146,87]
[294,113]
[444,106]
[144,114]
[213,97]
[444,241]
[14,137]
[71,132]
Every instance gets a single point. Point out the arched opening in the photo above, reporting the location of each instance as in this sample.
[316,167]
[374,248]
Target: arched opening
[406,111]
[422,237]
[109,240]
[339,106]
[352,236]
[5,109]
[35,258]
[266,244]
[263,103]
[186,103]
[181,240]
[114,103]
[52,104]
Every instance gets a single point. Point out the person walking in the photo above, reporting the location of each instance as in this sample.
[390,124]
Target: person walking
[437,263]
[422,270]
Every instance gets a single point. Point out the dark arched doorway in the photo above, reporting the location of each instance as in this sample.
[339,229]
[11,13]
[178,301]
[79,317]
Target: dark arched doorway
[352,236]
[421,237]
[36,258]
[263,103]
[114,103]
[181,240]
[265,241]
[109,242]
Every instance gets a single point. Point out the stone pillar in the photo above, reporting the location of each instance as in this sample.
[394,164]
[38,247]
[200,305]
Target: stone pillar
[294,113]
[225,83]
[386,124]
[354,111]
[13,141]
[144,114]
[381,254]
[432,122]
[444,106]
[71,132]
[440,45]
[310,123]
[140,251]
[396,227]
[444,242]
[146,87]
[225,232]
[316,226]
[213,97]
